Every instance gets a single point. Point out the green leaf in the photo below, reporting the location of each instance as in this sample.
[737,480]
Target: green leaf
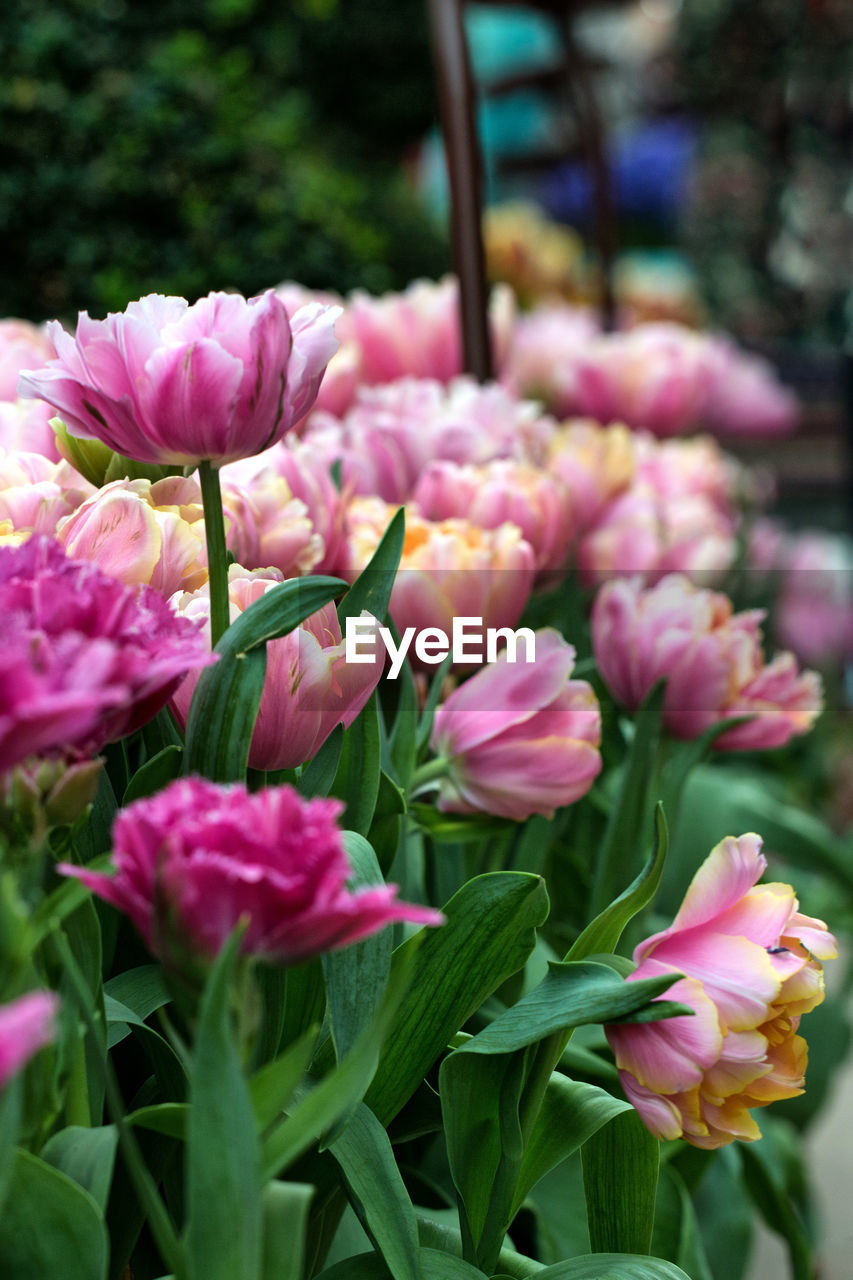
[357,779]
[318,775]
[50,1227]
[272,1088]
[384,833]
[87,1156]
[142,990]
[62,901]
[376,1192]
[488,935]
[460,828]
[371,590]
[620,1175]
[168,1118]
[571,1112]
[613,1266]
[435,1265]
[437,1237]
[285,1219]
[317,1110]
[356,976]
[604,932]
[226,699]
[168,1067]
[770,1196]
[154,775]
[624,836]
[571,994]
[428,715]
[10,1119]
[402,747]
[223,1157]
[676,1231]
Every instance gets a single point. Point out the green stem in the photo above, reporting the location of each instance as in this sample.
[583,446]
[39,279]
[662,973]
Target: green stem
[428,775]
[217,559]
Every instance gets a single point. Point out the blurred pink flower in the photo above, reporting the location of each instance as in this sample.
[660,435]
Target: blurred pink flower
[165,382]
[36,494]
[26,1025]
[546,345]
[656,377]
[194,860]
[22,345]
[814,612]
[710,657]
[309,686]
[499,492]
[746,397]
[84,660]
[752,968]
[141,532]
[520,738]
[596,464]
[448,569]
[417,333]
[25,426]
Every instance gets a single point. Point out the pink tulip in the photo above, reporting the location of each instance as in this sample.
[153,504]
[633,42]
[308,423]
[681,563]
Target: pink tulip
[37,494]
[309,688]
[22,345]
[344,371]
[194,860]
[417,333]
[448,569]
[165,382]
[84,661]
[25,427]
[815,605]
[656,377]
[595,464]
[141,532]
[752,968]
[519,738]
[746,397]
[711,659]
[499,492]
[284,511]
[26,1025]
[544,350]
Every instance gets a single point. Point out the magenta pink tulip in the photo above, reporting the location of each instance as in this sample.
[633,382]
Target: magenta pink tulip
[165,382]
[710,657]
[752,968]
[196,859]
[84,661]
[519,738]
[309,687]
[26,1025]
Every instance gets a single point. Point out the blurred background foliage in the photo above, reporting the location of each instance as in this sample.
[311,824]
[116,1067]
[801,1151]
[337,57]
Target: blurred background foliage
[185,145]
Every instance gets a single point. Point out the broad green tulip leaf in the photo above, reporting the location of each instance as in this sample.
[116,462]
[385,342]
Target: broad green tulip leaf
[377,1193]
[620,1175]
[168,1118]
[318,775]
[141,990]
[357,779]
[428,715]
[225,703]
[603,933]
[625,834]
[457,828]
[488,934]
[50,1226]
[168,1067]
[10,1119]
[223,1152]
[480,1097]
[272,1088]
[92,839]
[435,1265]
[439,1238]
[770,1196]
[356,976]
[271,985]
[613,1266]
[676,1232]
[724,1213]
[87,1156]
[384,833]
[402,747]
[285,1210]
[571,1112]
[154,775]
[62,901]
[571,995]
[319,1108]
[371,590]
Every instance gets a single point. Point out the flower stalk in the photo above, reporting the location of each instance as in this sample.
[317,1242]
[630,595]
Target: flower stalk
[217,556]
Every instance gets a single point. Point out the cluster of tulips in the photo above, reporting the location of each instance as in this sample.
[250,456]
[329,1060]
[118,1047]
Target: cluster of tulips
[186,491]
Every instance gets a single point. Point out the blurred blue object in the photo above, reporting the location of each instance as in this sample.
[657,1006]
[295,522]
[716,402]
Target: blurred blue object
[650,166]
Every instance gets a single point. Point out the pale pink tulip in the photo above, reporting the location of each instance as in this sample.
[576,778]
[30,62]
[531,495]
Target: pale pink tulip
[752,968]
[544,351]
[26,1025]
[448,569]
[519,738]
[309,687]
[500,492]
[165,382]
[196,859]
[596,464]
[710,657]
[22,345]
[141,532]
[37,494]
[746,397]
[25,426]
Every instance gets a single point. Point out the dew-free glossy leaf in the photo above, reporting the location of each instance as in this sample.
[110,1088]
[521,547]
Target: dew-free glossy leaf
[50,1227]
[620,1175]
